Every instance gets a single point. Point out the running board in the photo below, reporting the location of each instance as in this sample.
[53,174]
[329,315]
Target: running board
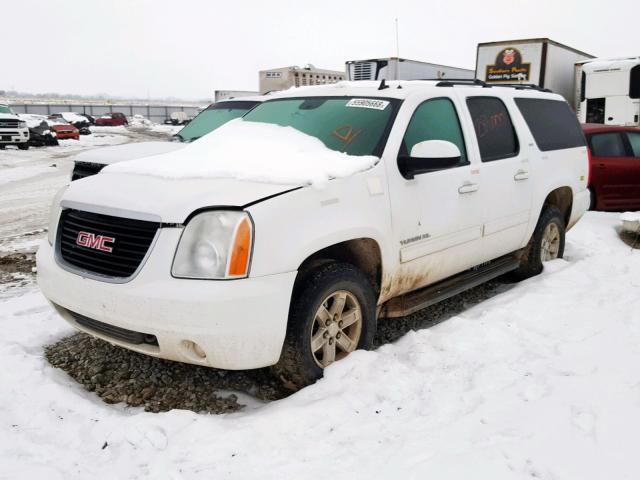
[425,297]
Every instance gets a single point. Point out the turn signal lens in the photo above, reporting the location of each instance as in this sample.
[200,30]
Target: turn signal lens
[215,244]
[239,264]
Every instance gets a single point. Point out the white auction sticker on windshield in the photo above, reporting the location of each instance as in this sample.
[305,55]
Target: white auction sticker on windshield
[367,103]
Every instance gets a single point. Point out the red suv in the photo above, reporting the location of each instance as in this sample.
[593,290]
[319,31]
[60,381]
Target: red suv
[615,166]
[113,119]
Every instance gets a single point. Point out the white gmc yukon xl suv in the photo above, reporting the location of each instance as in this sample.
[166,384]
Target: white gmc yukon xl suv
[468,183]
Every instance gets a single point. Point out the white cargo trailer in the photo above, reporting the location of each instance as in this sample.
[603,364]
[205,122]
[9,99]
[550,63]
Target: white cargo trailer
[394,68]
[537,61]
[608,91]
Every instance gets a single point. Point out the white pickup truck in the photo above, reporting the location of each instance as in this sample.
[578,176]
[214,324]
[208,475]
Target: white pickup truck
[13,130]
[456,183]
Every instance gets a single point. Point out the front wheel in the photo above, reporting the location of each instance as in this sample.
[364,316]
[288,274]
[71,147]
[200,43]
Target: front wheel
[23,146]
[546,244]
[332,314]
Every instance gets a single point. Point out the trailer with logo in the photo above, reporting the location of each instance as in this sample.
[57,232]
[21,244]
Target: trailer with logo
[537,61]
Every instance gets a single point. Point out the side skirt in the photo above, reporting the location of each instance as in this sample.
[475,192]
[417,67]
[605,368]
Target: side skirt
[425,297]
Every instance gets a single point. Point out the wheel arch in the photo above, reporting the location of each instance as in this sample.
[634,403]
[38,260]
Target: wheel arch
[562,199]
[363,253]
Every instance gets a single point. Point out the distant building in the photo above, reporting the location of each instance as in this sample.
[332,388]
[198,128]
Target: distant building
[287,77]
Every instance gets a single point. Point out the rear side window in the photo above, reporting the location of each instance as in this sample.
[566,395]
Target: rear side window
[634,141]
[552,123]
[492,123]
[607,145]
[435,119]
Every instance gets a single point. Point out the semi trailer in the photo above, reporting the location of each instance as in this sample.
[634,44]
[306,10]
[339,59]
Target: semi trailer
[608,91]
[394,68]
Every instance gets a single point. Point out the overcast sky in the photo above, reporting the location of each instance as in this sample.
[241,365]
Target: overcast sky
[189,48]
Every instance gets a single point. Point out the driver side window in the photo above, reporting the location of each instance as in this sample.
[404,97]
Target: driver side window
[435,119]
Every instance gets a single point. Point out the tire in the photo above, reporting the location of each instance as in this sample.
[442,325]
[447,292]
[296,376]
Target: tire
[299,365]
[23,146]
[531,260]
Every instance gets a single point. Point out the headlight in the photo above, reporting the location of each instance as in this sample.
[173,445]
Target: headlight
[215,245]
[22,124]
[54,214]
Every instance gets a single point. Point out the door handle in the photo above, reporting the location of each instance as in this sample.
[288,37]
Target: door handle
[521,175]
[468,187]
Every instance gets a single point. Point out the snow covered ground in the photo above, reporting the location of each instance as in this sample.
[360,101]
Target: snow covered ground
[540,381]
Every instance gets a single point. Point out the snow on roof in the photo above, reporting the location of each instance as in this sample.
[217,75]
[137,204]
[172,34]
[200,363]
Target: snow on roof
[31,119]
[400,89]
[274,154]
[616,64]
[73,117]
[245,98]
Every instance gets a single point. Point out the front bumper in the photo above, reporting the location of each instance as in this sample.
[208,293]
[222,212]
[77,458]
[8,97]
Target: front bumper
[12,136]
[68,135]
[233,324]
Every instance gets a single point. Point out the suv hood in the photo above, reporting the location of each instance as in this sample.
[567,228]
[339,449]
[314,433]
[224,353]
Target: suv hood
[128,151]
[165,200]
[8,116]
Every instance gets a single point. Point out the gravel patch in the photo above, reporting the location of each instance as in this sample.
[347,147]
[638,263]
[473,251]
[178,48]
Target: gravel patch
[118,375]
[17,270]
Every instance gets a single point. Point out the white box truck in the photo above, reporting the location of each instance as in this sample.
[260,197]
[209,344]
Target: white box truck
[608,91]
[537,61]
[394,68]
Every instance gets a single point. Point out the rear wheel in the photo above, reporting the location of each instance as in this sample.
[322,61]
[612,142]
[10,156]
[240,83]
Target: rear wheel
[546,244]
[332,314]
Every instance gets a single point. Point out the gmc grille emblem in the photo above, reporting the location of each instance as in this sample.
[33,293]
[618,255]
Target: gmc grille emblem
[96,242]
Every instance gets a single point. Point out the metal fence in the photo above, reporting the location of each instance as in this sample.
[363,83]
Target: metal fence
[155,113]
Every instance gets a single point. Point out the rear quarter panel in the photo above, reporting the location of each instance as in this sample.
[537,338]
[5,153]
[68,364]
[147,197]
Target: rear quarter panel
[553,169]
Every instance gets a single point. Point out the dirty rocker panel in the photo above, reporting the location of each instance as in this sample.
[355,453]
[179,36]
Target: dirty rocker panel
[412,302]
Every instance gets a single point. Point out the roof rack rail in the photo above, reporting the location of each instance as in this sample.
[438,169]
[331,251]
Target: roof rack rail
[450,82]
[523,86]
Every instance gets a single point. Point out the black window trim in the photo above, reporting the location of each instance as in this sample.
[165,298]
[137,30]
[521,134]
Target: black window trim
[513,128]
[634,87]
[627,143]
[464,139]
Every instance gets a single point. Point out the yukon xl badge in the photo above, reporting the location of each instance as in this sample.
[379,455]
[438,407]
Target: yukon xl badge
[407,241]
[96,242]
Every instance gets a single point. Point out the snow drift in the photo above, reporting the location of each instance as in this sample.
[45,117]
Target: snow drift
[252,151]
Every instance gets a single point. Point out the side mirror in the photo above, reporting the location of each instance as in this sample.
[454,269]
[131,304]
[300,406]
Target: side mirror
[429,156]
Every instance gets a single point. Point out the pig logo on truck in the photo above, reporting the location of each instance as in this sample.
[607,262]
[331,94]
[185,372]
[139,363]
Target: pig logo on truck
[508,67]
